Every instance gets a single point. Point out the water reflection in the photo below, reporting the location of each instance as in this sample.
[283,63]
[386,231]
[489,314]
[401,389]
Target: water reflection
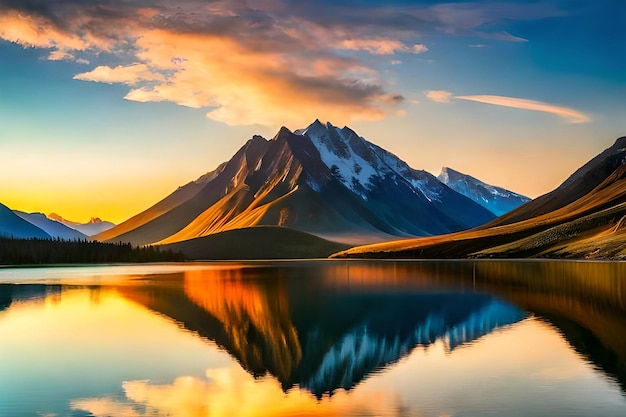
[10,294]
[231,392]
[585,300]
[318,336]
[328,327]
[323,338]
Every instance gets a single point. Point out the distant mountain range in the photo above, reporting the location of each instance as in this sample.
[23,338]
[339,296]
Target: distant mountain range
[495,199]
[585,217]
[12,225]
[92,227]
[51,227]
[22,225]
[322,180]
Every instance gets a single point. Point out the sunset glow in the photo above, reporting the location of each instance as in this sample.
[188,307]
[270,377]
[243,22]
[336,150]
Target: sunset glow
[106,107]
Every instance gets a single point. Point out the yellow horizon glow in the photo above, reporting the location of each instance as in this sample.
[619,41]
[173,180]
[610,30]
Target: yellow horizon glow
[116,186]
[236,75]
[77,195]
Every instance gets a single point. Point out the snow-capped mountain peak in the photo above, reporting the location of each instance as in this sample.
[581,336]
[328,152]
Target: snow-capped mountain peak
[346,154]
[94,226]
[322,179]
[496,199]
[360,165]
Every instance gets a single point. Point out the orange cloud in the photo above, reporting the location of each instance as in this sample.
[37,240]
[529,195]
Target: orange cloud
[208,57]
[381,46]
[573,116]
[60,55]
[32,31]
[131,74]
[247,85]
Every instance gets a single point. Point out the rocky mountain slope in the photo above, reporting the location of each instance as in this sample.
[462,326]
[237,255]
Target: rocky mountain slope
[585,217]
[323,180]
[51,227]
[498,200]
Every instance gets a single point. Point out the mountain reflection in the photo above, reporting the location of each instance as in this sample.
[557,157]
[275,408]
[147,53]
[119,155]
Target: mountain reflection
[10,293]
[255,317]
[318,328]
[586,301]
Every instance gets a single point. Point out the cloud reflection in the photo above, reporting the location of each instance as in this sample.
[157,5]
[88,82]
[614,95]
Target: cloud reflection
[231,392]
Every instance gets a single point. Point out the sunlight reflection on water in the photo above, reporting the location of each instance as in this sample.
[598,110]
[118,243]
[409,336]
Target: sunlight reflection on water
[314,338]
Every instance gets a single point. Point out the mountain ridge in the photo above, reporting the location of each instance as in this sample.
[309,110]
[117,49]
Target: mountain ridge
[12,225]
[496,199]
[54,228]
[94,226]
[559,224]
[581,182]
[321,180]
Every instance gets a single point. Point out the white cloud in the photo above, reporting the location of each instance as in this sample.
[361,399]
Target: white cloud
[572,115]
[381,46]
[439,96]
[60,55]
[419,48]
[130,74]
[506,36]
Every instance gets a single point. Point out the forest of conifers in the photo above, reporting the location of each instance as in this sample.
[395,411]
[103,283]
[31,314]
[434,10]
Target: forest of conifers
[56,251]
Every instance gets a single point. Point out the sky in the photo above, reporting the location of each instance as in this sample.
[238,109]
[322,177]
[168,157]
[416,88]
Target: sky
[107,106]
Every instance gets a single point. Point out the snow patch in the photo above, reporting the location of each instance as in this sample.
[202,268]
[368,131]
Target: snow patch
[352,170]
[495,199]
[361,350]
[342,151]
[420,180]
[314,185]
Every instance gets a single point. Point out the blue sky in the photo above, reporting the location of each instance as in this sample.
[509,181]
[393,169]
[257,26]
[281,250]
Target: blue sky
[106,106]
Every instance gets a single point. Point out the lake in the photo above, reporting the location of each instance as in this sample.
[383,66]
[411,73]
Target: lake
[315,338]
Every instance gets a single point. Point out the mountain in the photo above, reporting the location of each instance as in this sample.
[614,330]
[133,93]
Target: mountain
[323,180]
[495,199]
[93,227]
[51,227]
[585,217]
[580,183]
[261,242]
[11,225]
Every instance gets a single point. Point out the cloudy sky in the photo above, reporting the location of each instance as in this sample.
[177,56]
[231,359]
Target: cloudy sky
[106,106]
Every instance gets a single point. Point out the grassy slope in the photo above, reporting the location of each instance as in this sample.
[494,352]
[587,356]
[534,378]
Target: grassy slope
[263,242]
[579,184]
[599,235]
[575,230]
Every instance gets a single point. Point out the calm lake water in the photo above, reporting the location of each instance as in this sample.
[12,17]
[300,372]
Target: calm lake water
[315,338]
